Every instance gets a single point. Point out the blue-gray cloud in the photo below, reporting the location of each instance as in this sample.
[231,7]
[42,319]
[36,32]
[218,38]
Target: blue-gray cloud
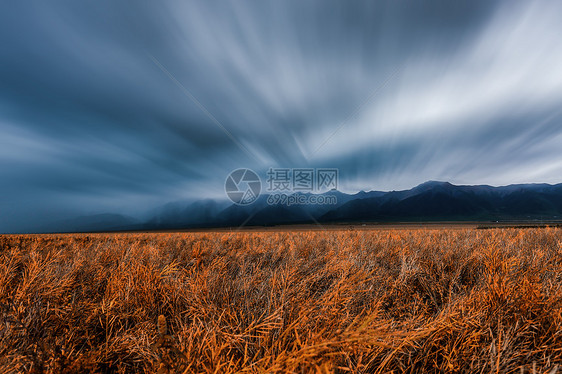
[91,121]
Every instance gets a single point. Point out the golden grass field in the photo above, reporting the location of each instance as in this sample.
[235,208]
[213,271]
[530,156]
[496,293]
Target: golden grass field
[371,301]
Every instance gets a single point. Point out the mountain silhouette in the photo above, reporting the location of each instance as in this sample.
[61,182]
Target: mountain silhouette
[429,201]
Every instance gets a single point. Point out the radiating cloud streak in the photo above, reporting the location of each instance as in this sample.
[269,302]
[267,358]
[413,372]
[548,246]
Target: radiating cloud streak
[91,124]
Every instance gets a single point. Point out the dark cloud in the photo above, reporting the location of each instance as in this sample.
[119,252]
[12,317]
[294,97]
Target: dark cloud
[107,105]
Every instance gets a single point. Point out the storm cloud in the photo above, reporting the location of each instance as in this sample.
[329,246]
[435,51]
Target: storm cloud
[119,106]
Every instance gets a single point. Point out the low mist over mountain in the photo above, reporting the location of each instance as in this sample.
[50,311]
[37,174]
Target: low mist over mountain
[430,201]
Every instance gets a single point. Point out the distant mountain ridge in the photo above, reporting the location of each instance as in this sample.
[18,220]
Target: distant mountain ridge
[444,201]
[93,223]
[429,201]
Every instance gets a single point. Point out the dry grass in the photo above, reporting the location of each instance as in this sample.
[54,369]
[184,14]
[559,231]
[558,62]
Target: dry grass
[339,301]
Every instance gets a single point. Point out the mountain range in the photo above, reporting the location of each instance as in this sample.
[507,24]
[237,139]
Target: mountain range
[430,201]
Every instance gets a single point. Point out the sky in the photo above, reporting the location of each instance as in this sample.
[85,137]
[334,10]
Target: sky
[120,106]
